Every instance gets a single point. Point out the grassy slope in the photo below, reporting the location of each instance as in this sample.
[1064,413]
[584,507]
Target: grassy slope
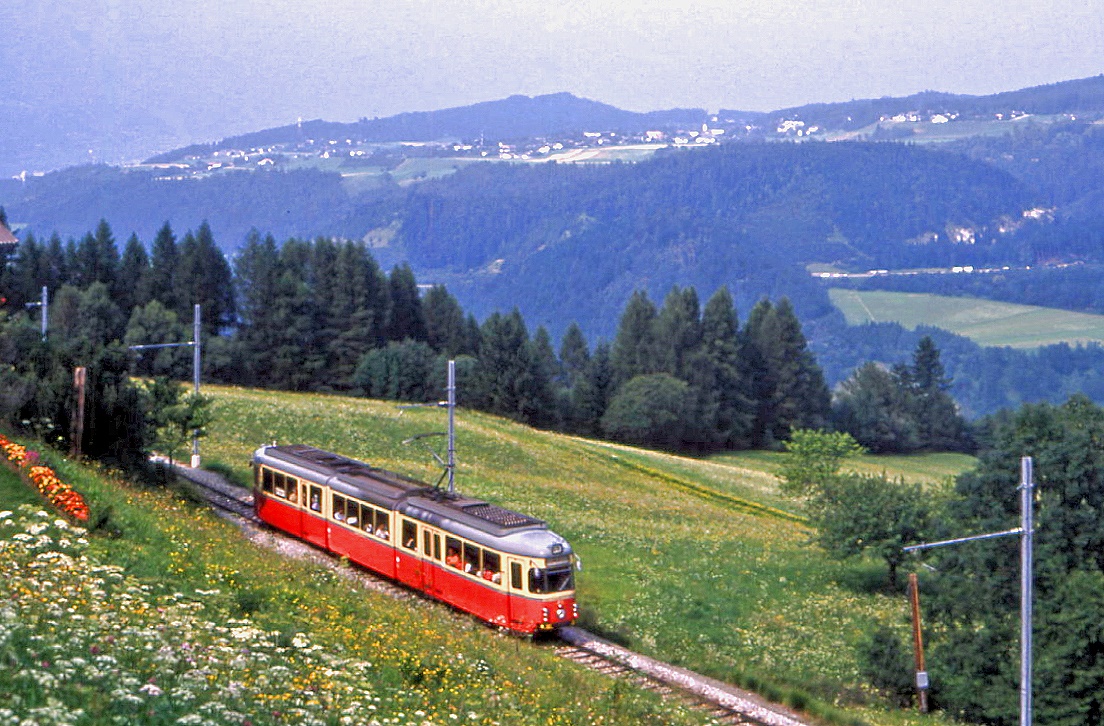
[426,663]
[987,322]
[684,558]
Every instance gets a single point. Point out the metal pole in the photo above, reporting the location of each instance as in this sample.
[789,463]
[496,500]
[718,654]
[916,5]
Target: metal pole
[1025,530]
[1027,489]
[918,643]
[451,427]
[45,311]
[195,375]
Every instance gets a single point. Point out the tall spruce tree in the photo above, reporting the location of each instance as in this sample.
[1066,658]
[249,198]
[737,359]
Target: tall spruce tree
[204,278]
[507,379]
[446,329]
[164,260]
[678,331]
[96,258]
[790,391]
[133,275]
[358,308]
[591,394]
[574,356]
[938,423]
[716,371]
[634,349]
[256,270]
[406,318]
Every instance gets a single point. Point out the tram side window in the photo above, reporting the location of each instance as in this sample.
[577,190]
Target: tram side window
[409,535]
[471,559]
[492,567]
[515,576]
[352,512]
[316,498]
[338,508]
[367,518]
[452,552]
[280,484]
[383,524]
[267,483]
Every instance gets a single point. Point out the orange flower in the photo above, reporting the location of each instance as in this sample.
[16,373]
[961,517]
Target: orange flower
[57,492]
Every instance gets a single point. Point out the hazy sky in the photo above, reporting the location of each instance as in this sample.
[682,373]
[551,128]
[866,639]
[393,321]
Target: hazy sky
[214,67]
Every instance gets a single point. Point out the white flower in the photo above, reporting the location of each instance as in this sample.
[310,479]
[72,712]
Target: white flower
[151,690]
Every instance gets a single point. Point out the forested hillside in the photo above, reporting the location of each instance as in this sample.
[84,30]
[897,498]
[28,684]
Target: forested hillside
[568,242]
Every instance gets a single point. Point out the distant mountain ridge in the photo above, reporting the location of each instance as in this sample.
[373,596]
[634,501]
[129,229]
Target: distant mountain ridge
[1079,96]
[548,115]
[515,117]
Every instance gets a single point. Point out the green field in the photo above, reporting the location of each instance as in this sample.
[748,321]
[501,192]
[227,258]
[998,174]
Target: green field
[986,322]
[698,562]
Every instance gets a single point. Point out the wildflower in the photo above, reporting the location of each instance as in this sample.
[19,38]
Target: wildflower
[151,689]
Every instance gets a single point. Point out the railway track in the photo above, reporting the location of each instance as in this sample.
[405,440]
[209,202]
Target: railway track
[725,704]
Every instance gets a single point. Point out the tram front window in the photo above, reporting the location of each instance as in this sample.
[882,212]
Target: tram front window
[554,579]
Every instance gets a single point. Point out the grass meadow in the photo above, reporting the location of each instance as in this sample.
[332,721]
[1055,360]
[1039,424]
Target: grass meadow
[986,322]
[697,562]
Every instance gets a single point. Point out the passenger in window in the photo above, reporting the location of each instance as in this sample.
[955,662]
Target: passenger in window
[293,494]
[452,559]
[338,514]
[382,531]
[352,520]
[315,503]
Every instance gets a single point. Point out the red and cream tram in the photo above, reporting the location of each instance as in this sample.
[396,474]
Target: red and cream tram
[504,567]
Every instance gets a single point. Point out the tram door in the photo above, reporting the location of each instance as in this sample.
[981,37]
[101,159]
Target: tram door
[431,553]
[408,565]
[516,586]
[314,525]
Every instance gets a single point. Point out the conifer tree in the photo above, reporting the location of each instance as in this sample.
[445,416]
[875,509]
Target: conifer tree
[938,424]
[97,258]
[591,394]
[507,378]
[574,355]
[21,277]
[133,275]
[55,271]
[358,308]
[790,391]
[298,357]
[204,278]
[677,331]
[876,409]
[406,318]
[164,260]
[544,369]
[256,270]
[634,347]
[446,329]
[716,370]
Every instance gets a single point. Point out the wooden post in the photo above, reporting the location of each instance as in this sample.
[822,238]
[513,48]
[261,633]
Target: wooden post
[918,643]
[77,430]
